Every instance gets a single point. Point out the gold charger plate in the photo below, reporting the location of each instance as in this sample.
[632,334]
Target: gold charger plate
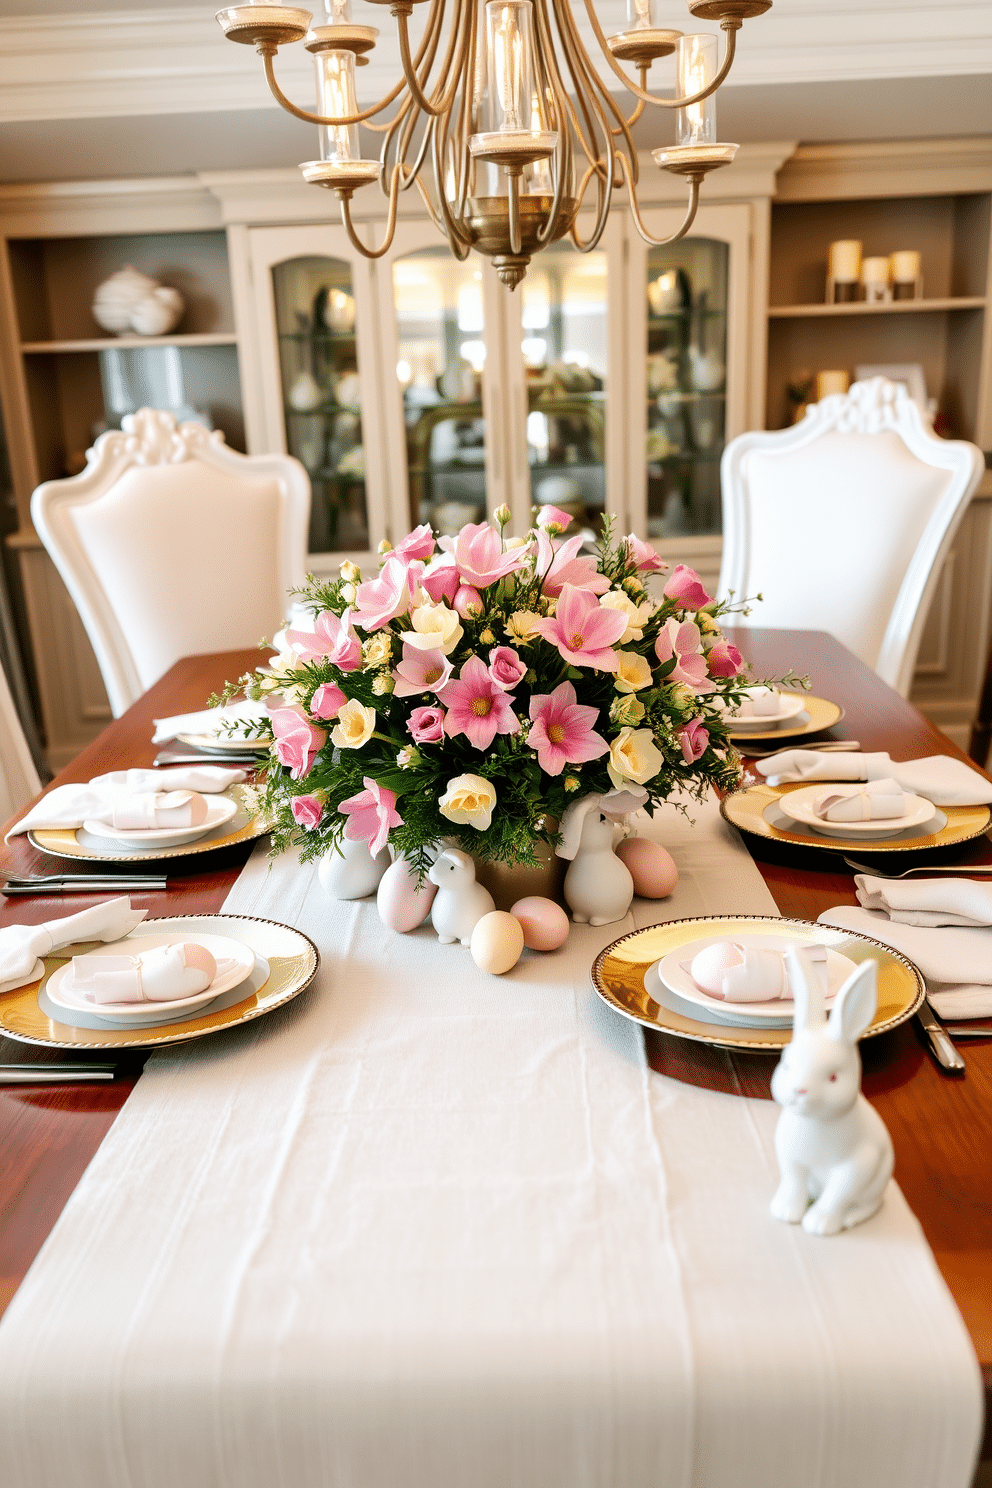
[292,957]
[746,810]
[822,714]
[618,976]
[65,842]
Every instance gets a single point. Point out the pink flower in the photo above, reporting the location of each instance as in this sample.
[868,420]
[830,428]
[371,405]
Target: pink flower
[552,519]
[427,725]
[562,731]
[441,580]
[478,554]
[468,602]
[682,643]
[297,740]
[307,811]
[327,700]
[381,600]
[421,671]
[477,707]
[332,639]
[417,544]
[560,566]
[686,586]
[583,630]
[694,739]
[371,815]
[506,668]
[724,660]
[644,555]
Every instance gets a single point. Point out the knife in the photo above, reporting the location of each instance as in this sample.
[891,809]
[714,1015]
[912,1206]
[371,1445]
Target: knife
[57,1074]
[944,1051]
[83,886]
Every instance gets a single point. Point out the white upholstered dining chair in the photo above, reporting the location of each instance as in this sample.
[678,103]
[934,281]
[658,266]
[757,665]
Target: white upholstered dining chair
[843,522]
[172,545]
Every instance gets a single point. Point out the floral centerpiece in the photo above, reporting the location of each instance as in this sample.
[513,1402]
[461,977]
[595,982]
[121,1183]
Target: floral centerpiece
[477,685]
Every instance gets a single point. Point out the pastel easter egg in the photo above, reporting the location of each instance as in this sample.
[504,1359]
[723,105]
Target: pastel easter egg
[402,904]
[544,923]
[497,942]
[650,866]
[708,966]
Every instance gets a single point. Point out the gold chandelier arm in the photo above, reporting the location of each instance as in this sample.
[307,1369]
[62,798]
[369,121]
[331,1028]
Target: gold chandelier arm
[308,117]
[453,228]
[731,27]
[635,212]
[552,82]
[457,39]
[349,226]
[431,35]
[639,108]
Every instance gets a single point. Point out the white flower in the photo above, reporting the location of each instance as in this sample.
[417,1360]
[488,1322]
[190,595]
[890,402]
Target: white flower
[637,615]
[633,672]
[469,801]
[350,571]
[378,650]
[348,593]
[513,543]
[520,626]
[634,756]
[407,756]
[435,628]
[355,725]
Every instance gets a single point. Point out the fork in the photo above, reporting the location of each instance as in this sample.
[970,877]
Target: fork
[959,870]
[828,746]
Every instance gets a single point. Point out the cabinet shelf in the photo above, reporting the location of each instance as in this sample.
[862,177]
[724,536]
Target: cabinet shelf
[883,307]
[113,343]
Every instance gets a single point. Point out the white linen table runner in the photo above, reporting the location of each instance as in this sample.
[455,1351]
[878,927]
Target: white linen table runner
[426,1228]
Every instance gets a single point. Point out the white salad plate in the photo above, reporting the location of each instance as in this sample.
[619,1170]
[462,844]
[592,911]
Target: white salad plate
[790,704]
[673,972]
[798,805]
[220,809]
[235,962]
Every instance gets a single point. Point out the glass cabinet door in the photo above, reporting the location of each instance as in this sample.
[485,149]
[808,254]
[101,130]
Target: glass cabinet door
[563,327]
[322,395]
[441,353]
[686,385]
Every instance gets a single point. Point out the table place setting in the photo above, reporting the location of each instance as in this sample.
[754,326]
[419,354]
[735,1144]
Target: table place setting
[142,815]
[772,713]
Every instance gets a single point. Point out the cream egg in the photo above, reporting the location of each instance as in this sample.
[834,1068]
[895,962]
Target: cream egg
[650,866]
[497,942]
[544,923]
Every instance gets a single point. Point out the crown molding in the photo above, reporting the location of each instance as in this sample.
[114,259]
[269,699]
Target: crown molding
[897,168]
[174,59]
[79,208]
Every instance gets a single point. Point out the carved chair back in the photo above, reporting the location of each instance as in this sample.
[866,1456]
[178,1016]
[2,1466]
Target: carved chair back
[172,545]
[843,522]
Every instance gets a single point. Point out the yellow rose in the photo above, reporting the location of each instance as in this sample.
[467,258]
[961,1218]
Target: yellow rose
[379,650]
[469,800]
[626,710]
[633,672]
[435,628]
[520,627]
[355,725]
[634,756]
[637,615]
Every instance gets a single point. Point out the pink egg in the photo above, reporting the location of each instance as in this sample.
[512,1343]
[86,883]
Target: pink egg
[544,923]
[650,866]
[401,903]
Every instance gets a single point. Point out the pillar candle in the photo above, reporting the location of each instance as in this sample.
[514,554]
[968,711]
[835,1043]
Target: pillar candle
[831,382]
[845,261]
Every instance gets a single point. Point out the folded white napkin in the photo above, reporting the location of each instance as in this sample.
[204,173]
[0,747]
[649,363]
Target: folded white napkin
[942,780]
[761,702]
[162,974]
[22,945]
[735,972]
[957,960]
[149,809]
[929,902]
[878,800]
[212,721]
[68,806]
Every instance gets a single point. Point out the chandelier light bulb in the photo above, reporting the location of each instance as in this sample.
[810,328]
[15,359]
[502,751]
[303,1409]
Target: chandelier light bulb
[639,15]
[338,12]
[336,98]
[509,35]
[696,62]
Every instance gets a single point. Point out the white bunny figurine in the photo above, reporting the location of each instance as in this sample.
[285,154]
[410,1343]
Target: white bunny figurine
[832,1146]
[460,902]
[598,887]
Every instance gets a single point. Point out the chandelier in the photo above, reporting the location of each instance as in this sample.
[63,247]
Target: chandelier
[503,100]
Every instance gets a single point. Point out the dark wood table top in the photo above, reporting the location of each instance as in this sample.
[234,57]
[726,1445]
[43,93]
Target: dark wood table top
[941,1125]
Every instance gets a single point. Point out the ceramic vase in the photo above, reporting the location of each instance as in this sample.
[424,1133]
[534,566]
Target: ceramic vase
[352,872]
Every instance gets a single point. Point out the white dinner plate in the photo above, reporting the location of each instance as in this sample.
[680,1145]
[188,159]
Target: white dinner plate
[223,743]
[790,704]
[777,1013]
[798,805]
[220,809]
[235,962]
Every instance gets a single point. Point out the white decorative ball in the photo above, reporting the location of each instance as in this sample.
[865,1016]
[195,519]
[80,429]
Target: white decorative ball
[117,298]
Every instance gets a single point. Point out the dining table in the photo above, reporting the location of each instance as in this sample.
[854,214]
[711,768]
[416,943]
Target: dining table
[940,1123]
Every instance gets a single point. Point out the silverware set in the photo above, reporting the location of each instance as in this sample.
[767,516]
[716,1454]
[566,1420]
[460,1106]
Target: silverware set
[81,883]
[828,746]
[61,1073]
